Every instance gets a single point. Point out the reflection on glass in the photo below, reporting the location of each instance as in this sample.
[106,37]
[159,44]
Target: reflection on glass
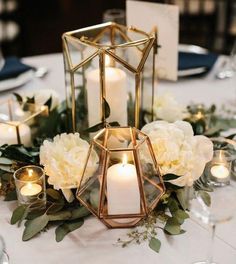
[221,209]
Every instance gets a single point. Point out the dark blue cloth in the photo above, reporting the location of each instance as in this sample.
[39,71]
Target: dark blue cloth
[12,68]
[192,60]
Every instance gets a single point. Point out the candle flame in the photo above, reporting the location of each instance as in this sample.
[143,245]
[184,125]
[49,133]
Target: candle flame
[199,115]
[30,172]
[125,160]
[221,155]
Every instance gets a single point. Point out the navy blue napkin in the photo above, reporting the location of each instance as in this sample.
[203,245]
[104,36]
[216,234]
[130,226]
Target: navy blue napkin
[12,68]
[189,60]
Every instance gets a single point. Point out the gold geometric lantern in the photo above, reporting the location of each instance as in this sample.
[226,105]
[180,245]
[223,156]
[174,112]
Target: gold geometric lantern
[121,182]
[109,61]
[18,121]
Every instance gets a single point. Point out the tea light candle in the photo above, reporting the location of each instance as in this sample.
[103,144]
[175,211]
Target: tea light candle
[8,134]
[123,196]
[31,189]
[116,95]
[220,171]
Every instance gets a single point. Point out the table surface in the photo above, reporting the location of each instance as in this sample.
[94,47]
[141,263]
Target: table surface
[94,243]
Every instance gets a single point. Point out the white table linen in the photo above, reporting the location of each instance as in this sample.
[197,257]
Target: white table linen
[93,242]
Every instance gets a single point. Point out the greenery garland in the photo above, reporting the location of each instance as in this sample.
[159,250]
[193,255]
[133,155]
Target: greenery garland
[168,216]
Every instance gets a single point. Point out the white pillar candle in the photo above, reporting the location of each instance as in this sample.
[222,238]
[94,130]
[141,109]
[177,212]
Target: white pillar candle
[30,189]
[123,195]
[8,134]
[116,95]
[220,171]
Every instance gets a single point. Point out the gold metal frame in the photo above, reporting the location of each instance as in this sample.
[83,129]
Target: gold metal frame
[35,110]
[85,37]
[145,205]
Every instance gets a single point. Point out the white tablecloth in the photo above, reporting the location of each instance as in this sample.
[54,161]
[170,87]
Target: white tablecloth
[94,243]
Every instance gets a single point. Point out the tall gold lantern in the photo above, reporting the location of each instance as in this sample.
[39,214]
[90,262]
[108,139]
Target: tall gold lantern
[112,62]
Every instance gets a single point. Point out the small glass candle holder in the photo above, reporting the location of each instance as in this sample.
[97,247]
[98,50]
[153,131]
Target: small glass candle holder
[30,186]
[199,117]
[218,170]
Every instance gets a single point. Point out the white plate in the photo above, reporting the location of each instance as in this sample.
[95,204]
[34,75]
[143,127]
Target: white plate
[192,49]
[12,83]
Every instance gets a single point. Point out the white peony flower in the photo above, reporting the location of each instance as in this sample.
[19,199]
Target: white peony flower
[64,159]
[178,151]
[168,109]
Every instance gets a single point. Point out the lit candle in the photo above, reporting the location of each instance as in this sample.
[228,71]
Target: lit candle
[199,115]
[8,134]
[220,171]
[116,95]
[30,186]
[31,189]
[123,195]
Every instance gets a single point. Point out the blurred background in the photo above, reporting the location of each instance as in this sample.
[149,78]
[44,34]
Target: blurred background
[35,27]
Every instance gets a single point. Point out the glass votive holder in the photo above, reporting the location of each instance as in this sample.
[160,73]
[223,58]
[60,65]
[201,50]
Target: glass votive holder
[30,187]
[218,170]
[199,117]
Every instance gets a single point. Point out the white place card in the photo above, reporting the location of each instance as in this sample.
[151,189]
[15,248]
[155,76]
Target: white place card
[145,15]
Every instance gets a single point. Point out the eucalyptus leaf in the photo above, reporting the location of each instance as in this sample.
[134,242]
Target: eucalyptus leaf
[10,196]
[56,207]
[155,244]
[180,215]
[106,108]
[94,197]
[53,194]
[48,103]
[18,214]
[30,100]
[205,197]
[95,128]
[18,98]
[63,215]
[33,227]
[5,161]
[34,214]
[64,229]
[173,205]
[18,153]
[80,212]
[114,124]
[169,177]
[182,196]
[6,168]
[173,187]
[6,176]
[172,226]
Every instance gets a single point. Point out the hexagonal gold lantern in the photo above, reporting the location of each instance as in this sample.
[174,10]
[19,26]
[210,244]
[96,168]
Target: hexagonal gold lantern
[121,182]
[109,61]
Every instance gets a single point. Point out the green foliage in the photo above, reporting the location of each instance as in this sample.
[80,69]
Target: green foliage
[168,216]
[33,227]
[155,244]
[18,214]
[172,226]
[205,197]
[169,177]
[67,227]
